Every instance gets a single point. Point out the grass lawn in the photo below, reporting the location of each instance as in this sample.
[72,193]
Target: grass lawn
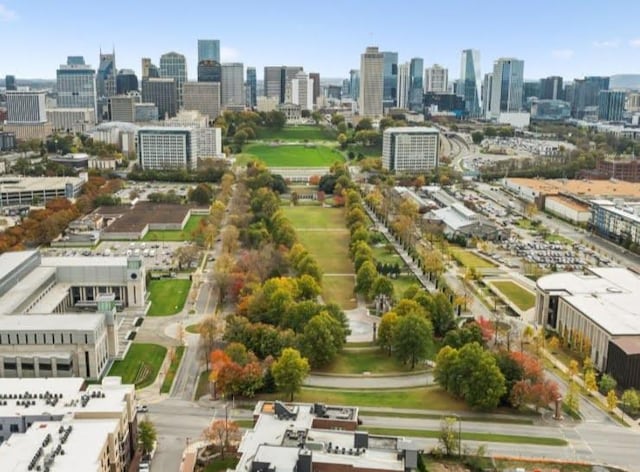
[521,297]
[331,250]
[295,155]
[470,260]
[302,217]
[193,329]
[168,296]
[367,151]
[381,255]
[141,364]
[203,385]
[436,416]
[557,239]
[176,235]
[220,465]
[402,283]
[173,368]
[339,289]
[297,133]
[357,362]
[469,436]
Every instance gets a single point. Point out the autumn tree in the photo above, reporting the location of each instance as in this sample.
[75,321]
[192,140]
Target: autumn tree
[612,400]
[365,278]
[147,435]
[222,433]
[386,330]
[209,330]
[321,340]
[412,338]
[289,371]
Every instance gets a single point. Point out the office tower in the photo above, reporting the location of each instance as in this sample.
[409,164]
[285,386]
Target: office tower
[410,149]
[507,87]
[416,81]
[302,91]
[315,76]
[585,93]
[354,84]
[551,88]
[163,92]
[174,66]
[487,88]
[126,81]
[287,75]
[371,83]
[470,81]
[530,89]
[106,75]
[26,107]
[10,83]
[122,108]
[436,79]
[203,97]
[167,148]
[403,86]
[75,61]
[146,112]
[232,86]
[611,105]
[390,79]
[209,71]
[76,86]
[272,81]
[252,87]
[149,70]
[208,50]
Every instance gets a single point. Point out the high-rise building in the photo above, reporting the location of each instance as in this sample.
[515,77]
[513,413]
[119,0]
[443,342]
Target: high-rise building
[174,66]
[106,76]
[75,61]
[302,91]
[611,105]
[470,81]
[167,148]
[507,87]
[487,88]
[530,89]
[371,83]
[315,76]
[390,79]
[252,87]
[354,84]
[76,87]
[288,73]
[203,97]
[410,149]
[551,88]
[436,79]
[232,86]
[584,93]
[272,82]
[126,81]
[162,92]
[416,81]
[149,70]
[10,83]
[208,50]
[209,71]
[403,86]
[122,108]
[26,107]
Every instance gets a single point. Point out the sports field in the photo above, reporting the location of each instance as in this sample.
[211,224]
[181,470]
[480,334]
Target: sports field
[297,133]
[294,155]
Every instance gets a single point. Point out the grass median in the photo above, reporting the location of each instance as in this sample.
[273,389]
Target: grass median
[141,364]
[173,369]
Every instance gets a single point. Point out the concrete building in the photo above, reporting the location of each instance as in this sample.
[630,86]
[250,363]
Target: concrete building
[203,97]
[315,77]
[487,88]
[617,220]
[267,104]
[410,149]
[458,220]
[371,83]
[146,112]
[76,87]
[126,81]
[163,93]
[302,91]
[507,86]
[597,312]
[71,120]
[611,105]
[232,96]
[403,87]
[58,425]
[315,437]
[551,88]
[27,131]
[26,107]
[167,148]
[122,108]
[436,79]
[21,191]
[7,141]
[149,70]
[569,209]
[208,140]
[273,85]
[470,81]
[174,66]
[619,168]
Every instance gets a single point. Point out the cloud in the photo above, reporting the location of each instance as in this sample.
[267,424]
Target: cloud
[606,44]
[228,54]
[634,43]
[562,53]
[6,14]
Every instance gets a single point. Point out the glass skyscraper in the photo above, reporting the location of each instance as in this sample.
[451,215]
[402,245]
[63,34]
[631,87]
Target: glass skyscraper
[252,86]
[508,86]
[208,50]
[106,76]
[209,71]
[390,79]
[416,83]
[470,81]
[76,86]
[174,66]
[354,84]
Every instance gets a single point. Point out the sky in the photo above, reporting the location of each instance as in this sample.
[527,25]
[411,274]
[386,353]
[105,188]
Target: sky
[570,38]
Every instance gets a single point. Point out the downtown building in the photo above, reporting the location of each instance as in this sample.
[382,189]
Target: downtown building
[390,80]
[436,79]
[26,115]
[163,93]
[174,66]
[416,84]
[126,81]
[410,149]
[167,148]
[232,95]
[105,83]
[611,105]
[507,86]
[551,88]
[208,50]
[302,87]
[277,81]
[469,86]
[252,87]
[371,83]
[403,86]
[203,97]
[76,86]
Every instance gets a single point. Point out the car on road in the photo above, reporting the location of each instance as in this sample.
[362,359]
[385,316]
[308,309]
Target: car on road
[142,409]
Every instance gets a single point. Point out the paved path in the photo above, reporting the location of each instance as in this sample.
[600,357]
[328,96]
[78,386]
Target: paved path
[370,382]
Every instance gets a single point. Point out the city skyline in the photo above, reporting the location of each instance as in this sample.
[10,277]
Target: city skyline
[572,42]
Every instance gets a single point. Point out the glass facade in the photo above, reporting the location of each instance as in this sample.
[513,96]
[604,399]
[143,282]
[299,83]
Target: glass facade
[470,81]
[209,71]
[390,79]
[416,81]
[252,85]
[208,50]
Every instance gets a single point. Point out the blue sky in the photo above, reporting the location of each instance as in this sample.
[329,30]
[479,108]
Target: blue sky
[571,38]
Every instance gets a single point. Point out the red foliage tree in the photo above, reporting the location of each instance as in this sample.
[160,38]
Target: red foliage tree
[487,327]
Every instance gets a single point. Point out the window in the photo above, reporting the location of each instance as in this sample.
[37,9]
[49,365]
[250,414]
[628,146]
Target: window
[13,428]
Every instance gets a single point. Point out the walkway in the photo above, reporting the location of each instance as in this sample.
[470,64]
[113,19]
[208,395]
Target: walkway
[370,382]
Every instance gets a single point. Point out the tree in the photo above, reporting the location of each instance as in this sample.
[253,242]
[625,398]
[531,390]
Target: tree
[222,433]
[364,124]
[209,330]
[321,339]
[386,329]
[631,400]
[201,194]
[554,344]
[612,400]
[590,381]
[365,277]
[289,371]
[230,235]
[448,437]
[607,383]
[477,137]
[573,368]
[572,399]
[308,287]
[186,255]
[382,286]
[342,140]
[146,435]
[412,338]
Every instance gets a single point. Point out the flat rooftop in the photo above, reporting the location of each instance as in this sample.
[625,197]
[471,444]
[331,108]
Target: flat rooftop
[10,261]
[135,218]
[51,322]
[568,202]
[583,188]
[84,261]
[25,290]
[9,184]
[412,129]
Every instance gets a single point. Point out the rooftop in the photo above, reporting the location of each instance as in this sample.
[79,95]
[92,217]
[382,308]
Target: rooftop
[456,216]
[35,184]
[10,261]
[584,188]
[412,130]
[568,202]
[134,218]
[50,322]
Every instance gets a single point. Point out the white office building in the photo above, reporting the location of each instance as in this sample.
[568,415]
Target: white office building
[26,107]
[410,149]
[404,84]
[507,86]
[371,83]
[232,86]
[76,86]
[167,148]
[302,91]
[203,97]
[436,79]
[74,120]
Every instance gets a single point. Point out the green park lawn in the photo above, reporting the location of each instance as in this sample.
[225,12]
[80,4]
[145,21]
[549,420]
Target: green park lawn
[374,361]
[402,283]
[176,235]
[521,297]
[330,248]
[302,217]
[168,296]
[220,465]
[141,364]
[470,260]
[173,369]
[294,155]
[296,133]
[193,329]
[384,256]
[339,290]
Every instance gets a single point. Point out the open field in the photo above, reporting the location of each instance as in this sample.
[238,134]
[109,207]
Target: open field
[173,368]
[297,133]
[521,297]
[141,364]
[331,250]
[373,361]
[175,235]
[339,289]
[303,217]
[402,283]
[383,256]
[469,259]
[168,296]
[294,155]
